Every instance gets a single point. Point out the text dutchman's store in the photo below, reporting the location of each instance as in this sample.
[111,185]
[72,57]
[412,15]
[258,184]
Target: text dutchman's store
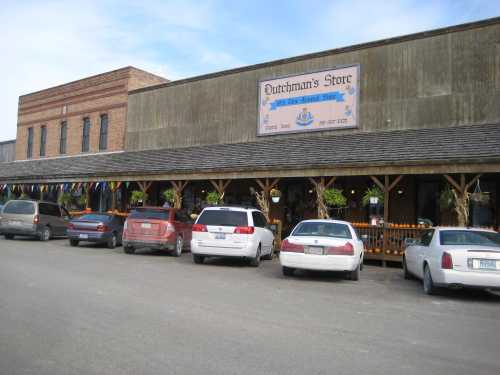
[414,118]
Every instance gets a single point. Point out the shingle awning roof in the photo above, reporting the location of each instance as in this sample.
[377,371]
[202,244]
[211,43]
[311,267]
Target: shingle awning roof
[465,144]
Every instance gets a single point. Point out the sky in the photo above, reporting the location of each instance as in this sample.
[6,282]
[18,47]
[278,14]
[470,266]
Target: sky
[47,43]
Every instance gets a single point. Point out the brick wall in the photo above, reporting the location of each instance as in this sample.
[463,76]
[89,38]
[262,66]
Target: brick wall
[91,97]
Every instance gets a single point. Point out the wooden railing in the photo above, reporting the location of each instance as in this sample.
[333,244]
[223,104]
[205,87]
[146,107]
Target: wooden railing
[387,243]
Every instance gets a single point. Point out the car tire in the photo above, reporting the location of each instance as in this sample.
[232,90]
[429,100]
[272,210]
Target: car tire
[74,243]
[128,249]
[354,275]
[406,273]
[112,241]
[198,259]
[269,256]
[9,236]
[428,283]
[287,271]
[179,244]
[46,234]
[254,262]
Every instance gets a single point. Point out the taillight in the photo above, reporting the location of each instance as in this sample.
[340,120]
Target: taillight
[244,230]
[446,261]
[169,227]
[36,219]
[102,228]
[291,247]
[71,226]
[199,228]
[346,249]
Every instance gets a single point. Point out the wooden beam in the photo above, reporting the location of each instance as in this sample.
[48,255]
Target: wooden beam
[377,181]
[468,186]
[395,182]
[330,182]
[453,183]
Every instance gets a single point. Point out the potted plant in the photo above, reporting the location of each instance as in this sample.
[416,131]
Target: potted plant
[446,199]
[65,199]
[372,193]
[138,196]
[275,195]
[169,196]
[334,198]
[213,198]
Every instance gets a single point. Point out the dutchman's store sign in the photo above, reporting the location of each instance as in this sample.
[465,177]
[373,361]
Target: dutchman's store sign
[307,102]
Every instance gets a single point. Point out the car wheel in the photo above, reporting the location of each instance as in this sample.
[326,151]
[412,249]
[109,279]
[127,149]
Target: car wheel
[9,236]
[198,259]
[406,273]
[179,244]
[354,275]
[46,234]
[254,262]
[287,271]
[429,287]
[112,241]
[129,249]
[269,256]
[74,242]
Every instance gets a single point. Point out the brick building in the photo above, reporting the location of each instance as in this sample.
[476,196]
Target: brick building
[80,117]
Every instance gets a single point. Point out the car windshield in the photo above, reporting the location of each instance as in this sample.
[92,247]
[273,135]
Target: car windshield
[150,214]
[223,218]
[469,237]
[322,229]
[19,207]
[95,217]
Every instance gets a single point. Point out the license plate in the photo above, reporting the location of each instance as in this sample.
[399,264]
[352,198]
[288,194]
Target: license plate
[220,236]
[146,225]
[485,264]
[15,222]
[83,236]
[314,250]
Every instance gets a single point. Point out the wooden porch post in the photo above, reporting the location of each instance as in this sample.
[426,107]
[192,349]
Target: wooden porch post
[263,196]
[320,185]
[220,186]
[179,187]
[386,188]
[461,193]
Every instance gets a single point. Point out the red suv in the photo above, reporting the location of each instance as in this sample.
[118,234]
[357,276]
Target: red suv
[157,228]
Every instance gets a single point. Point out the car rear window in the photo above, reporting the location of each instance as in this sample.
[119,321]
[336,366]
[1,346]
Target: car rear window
[95,217]
[223,218]
[150,214]
[468,237]
[322,229]
[19,207]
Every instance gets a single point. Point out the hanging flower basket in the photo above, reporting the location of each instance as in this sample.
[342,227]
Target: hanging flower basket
[480,197]
[275,195]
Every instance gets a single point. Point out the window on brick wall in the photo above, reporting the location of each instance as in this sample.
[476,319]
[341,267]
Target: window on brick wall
[43,139]
[29,148]
[103,134]
[86,135]
[63,139]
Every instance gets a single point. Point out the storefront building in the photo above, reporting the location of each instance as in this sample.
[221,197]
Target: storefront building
[415,118]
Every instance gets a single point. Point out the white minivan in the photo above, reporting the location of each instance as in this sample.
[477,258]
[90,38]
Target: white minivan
[232,232]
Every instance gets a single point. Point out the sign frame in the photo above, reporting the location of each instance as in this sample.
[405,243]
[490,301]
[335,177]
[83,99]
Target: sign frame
[357,125]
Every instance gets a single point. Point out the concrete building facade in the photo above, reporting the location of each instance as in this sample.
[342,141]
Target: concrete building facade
[7,151]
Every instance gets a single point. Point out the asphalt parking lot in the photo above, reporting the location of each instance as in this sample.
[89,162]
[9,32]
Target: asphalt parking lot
[91,310]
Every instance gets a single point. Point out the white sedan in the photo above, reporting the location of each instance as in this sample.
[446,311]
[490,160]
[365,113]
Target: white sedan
[323,245]
[454,258]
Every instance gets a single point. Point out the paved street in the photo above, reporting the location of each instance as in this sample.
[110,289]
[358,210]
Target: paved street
[91,310]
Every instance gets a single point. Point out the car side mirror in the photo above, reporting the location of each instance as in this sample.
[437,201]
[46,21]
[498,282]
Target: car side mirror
[410,241]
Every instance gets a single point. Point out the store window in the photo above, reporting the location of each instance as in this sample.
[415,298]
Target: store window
[63,137]
[29,149]
[103,134]
[86,135]
[43,140]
